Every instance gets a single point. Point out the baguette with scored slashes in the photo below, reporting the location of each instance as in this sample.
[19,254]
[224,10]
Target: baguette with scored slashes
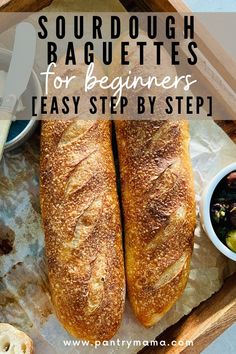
[81,220]
[159,213]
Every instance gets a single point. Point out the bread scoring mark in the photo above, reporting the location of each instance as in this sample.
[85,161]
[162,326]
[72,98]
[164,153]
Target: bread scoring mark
[83,172]
[138,136]
[86,223]
[165,142]
[159,209]
[69,216]
[171,272]
[168,178]
[75,131]
[77,157]
[176,221]
[158,135]
[165,196]
[96,283]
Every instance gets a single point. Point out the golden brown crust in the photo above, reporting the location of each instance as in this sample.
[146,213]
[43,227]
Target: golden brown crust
[82,227]
[159,213]
[14,341]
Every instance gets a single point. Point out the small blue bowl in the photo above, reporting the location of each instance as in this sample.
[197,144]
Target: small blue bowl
[19,132]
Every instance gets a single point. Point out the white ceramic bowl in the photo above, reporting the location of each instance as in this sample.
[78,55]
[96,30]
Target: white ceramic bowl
[33,89]
[205,211]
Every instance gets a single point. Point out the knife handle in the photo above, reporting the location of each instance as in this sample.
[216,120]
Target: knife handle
[5,122]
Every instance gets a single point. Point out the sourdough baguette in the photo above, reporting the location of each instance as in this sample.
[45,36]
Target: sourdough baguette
[159,213]
[81,220]
[14,341]
[157,191]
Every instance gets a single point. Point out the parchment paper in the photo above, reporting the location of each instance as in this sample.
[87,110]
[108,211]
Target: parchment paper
[24,295]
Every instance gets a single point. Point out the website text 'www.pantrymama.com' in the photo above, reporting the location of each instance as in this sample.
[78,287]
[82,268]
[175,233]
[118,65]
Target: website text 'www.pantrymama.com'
[127,343]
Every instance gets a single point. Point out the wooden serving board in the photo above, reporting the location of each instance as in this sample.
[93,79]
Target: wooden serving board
[229,127]
[204,324]
[19,8]
[23,5]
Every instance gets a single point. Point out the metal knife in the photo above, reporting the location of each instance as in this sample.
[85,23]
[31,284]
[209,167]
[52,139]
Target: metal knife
[18,76]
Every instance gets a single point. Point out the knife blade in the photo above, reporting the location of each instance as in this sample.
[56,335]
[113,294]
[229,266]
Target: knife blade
[18,76]
[21,65]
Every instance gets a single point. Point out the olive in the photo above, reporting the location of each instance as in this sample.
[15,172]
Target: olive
[231,240]
[218,212]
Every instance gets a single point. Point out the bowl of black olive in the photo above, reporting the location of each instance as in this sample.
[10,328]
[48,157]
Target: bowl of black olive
[218,211]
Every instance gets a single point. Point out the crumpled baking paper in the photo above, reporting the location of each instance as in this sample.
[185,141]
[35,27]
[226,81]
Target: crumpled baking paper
[24,289]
